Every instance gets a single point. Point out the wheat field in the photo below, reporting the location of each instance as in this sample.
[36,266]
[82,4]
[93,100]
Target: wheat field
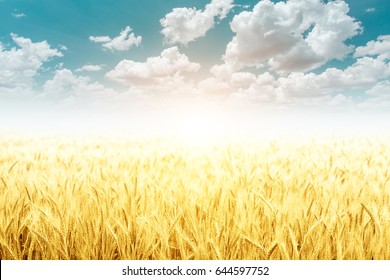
[90,198]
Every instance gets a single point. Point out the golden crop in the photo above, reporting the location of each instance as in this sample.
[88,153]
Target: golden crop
[122,198]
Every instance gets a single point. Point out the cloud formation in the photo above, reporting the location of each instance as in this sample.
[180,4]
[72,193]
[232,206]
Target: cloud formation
[123,42]
[155,70]
[291,36]
[379,47]
[299,88]
[18,15]
[72,89]
[364,73]
[89,68]
[378,97]
[380,89]
[185,25]
[20,64]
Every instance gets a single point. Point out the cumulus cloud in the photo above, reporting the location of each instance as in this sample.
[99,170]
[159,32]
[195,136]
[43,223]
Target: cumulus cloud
[299,88]
[365,72]
[226,81]
[291,36]
[362,74]
[123,42]
[184,25]
[67,86]
[296,90]
[379,47]
[223,71]
[65,81]
[89,68]
[378,97]
[380,89]
[18,14]
[155,70]
[213,86]
[20,64]
[264,89]
[340,100]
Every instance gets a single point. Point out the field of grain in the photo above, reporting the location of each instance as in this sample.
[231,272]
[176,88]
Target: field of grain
[110,198]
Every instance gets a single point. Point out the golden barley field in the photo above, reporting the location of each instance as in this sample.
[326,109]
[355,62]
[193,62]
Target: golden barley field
[79,197]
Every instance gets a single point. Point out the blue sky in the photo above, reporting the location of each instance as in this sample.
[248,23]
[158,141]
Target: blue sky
[127,55]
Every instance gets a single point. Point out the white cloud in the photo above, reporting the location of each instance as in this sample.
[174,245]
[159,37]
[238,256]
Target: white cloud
[155,71]
[18,15]
[67,86]
[298,88]
[213,86]
[184,25]
[123,42]
[18,66]
[364,73]
[296,91]
[241,86]
[100,39]
[379,97]
[370,10]
[242,79]
[262,90]
[62,47]
[340,100]
[223,71]
[89,68]
[225,81]
[64,81]
[380,89]
[380,47]
[301,85]
[291,36]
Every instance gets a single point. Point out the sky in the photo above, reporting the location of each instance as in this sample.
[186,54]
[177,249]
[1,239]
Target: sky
[187,61]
